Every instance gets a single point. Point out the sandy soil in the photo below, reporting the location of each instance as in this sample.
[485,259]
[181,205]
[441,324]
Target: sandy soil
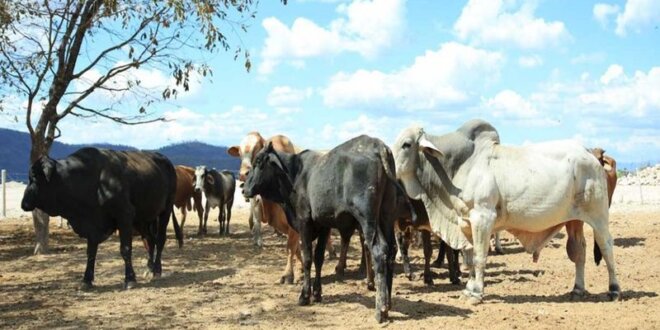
[225,282]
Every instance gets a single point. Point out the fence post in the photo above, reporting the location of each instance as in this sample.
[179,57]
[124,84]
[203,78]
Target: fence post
[4,193]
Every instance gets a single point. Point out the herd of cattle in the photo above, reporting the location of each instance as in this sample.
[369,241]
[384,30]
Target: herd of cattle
[463,187]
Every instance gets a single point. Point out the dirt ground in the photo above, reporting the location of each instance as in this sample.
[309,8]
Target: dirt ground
[225,282]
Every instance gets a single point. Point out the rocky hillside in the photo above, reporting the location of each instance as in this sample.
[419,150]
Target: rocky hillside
[649,176]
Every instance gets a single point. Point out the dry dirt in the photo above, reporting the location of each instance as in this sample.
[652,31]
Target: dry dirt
[225,282]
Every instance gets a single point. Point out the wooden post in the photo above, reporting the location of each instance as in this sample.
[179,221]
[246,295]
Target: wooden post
[4,193]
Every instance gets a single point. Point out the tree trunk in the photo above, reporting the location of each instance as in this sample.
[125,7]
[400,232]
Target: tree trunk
[40,218]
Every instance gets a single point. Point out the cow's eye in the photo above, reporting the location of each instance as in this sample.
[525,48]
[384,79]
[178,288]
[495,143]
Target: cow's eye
[405,145]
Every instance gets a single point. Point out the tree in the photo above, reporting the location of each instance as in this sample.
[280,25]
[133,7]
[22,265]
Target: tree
[55,54]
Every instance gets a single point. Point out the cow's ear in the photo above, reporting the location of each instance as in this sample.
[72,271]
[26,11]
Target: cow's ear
[48,166]
[428,147]
[234,151]
[210,179]
[269,147]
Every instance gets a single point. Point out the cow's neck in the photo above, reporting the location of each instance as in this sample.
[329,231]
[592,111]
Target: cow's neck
[292,169]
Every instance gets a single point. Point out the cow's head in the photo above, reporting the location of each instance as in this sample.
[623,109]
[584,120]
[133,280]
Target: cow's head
[41,191]
[247,152]
[202,178]
[407,149]
[269,177]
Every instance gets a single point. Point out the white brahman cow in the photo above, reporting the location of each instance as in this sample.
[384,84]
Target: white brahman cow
[472,187]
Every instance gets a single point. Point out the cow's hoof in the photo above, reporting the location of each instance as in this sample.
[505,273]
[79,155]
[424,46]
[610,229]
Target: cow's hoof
[129,285]
[499,252]
[371,286]
[455,281]
[86,286]
[410,276]
[288,279]
[615,292]
[303,301]
[317,297]
[158,275]
[437,264]
[381,316]
[339,271]
[577,294]
[614,295]
[473,301]
[428,281]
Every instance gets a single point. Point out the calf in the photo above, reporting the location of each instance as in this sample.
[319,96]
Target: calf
[218,188]
[99,191]
[184,192]
[340,189]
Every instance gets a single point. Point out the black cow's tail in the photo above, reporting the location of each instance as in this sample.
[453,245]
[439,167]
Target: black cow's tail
[598,256]
[177,230]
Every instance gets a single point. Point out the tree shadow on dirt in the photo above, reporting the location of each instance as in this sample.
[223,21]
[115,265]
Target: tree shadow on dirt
[566,297]
[415,310]
[629,242]
[21,315]
[181,279]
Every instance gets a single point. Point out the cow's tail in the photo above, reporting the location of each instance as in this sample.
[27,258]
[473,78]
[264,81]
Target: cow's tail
[387,159]
[177,230]
[598,256]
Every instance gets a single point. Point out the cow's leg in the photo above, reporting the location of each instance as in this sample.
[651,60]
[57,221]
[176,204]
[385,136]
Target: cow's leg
[442,249]
[379,254]
[454,268]
[161,237]
[184,213]
[291,248]
[221,219]
[126,249]
[202,222]
[257,215]
[306,247]
[228,215]
[576,250]
[369,265]
[88,278]
[319,255]
[428,251]
[606,244]
[403,243]
[482,220]
[498,244]
[345,242]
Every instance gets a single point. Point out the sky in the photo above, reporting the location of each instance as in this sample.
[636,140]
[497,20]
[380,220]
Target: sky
[325,71]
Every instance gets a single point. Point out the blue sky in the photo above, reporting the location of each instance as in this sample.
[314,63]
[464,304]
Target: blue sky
[325,71]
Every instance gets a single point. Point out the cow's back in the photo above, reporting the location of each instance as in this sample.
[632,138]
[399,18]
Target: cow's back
[547,182]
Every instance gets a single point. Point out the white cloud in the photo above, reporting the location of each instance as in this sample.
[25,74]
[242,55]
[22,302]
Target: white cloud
[287,100]
[613,72]
[287,96]
[219,128]
[530,61]
[513,22]
[510,103]
[603,11]
[588,58]
[446,76]
[636,15]
[618,93]
[364,27]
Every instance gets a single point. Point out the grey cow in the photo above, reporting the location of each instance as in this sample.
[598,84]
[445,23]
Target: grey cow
[218,188]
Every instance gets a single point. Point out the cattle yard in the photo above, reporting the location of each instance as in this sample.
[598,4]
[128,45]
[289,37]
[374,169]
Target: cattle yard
[226,282]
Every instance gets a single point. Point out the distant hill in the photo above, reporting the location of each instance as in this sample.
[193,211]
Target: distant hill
[15,151]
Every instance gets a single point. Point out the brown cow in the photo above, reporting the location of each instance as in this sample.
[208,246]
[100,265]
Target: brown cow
[185,191]
[263,210]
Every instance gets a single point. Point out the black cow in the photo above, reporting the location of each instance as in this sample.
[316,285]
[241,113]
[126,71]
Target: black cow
[99,191]
[352,185]
[404,227]
[219,188]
